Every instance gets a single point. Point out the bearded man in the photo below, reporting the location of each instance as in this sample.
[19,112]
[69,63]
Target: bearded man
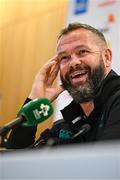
[84,61]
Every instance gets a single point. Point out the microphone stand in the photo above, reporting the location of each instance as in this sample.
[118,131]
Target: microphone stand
[6,128]
[10,125]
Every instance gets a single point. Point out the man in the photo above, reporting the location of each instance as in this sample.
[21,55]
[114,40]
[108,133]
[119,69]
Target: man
[84,61]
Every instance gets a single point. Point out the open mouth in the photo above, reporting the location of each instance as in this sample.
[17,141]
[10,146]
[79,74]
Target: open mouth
[78,74]
[78,77]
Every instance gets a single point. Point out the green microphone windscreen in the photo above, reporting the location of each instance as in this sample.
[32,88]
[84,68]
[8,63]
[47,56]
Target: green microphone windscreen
[36,111]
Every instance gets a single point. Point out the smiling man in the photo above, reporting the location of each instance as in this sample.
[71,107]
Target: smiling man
[84,61]
[82,66]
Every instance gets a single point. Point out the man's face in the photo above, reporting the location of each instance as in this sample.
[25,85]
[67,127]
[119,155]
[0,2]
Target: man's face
[81,65]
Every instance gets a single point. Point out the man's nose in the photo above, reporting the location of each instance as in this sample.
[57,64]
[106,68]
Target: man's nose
[74,61]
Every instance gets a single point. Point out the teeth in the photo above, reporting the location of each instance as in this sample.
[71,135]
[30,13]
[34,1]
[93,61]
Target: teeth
[77,74]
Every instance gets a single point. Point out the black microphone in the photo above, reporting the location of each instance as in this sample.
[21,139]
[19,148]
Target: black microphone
[84,129]
[45,135]
[67,135]
[73,139]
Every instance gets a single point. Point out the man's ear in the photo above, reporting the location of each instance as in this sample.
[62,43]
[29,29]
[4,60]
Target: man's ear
[107,57]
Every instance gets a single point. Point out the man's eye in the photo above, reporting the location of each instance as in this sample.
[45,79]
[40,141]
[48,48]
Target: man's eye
[83,52]
[64,59]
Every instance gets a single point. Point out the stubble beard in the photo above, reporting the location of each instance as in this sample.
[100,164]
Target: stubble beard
[85,92]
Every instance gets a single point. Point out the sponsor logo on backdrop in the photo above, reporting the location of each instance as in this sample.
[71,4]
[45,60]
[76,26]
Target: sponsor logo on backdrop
[81,6]
[110,20]
[105,3]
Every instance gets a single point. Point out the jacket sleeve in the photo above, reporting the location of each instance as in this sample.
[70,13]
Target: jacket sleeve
[112,120]
[21,137]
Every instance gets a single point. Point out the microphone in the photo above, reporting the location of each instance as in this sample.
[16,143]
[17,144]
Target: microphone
[67,135]
[45,135]
[84,129]
[73,139]
[31,114]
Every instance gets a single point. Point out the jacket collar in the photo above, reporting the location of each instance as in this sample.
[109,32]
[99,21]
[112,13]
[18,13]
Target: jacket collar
[107,88]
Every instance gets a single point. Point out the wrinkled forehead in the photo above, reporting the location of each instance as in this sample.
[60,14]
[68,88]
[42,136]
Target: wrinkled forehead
[80,36]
